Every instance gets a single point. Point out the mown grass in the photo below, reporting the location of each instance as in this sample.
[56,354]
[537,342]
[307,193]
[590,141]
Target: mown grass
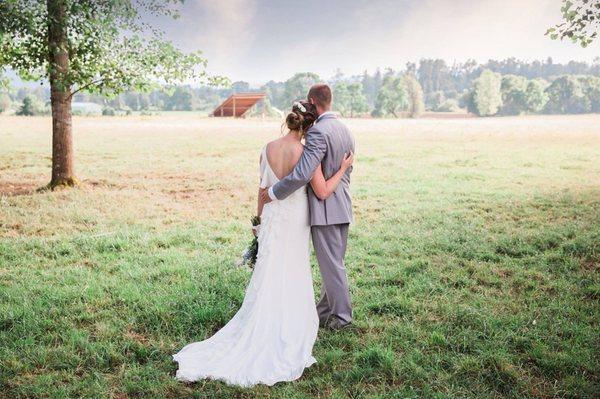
[473,262]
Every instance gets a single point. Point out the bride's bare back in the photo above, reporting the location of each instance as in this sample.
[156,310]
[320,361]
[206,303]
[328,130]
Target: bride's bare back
[283,154]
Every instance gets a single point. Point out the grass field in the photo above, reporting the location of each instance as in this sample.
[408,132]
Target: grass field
[473,262]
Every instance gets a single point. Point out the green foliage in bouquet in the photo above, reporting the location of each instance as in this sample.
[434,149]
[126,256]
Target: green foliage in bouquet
[250,254]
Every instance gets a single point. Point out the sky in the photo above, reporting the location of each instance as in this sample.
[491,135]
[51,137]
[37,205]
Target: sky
[262,40]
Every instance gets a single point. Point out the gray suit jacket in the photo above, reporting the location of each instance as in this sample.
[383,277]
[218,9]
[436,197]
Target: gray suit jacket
[326,142]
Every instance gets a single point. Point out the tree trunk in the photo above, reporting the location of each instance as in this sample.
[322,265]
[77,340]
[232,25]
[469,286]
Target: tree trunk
[60,96]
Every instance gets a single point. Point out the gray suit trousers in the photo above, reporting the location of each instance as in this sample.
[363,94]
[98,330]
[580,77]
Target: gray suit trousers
[330,247]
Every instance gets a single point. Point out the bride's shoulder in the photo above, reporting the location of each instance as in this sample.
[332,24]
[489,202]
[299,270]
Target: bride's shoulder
[270,144]
[281,144]
[273,141]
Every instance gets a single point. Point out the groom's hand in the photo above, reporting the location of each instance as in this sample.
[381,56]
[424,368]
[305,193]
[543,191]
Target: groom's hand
[264,195]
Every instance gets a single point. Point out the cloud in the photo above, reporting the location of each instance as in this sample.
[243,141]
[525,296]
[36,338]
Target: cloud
[259,40]
[473,29]
[458,30]
[390,33]
[230,26]
[222,29]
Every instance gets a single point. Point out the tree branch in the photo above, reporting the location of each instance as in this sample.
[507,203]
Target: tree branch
[85,87]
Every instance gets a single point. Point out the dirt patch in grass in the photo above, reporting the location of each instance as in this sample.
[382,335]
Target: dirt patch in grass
[13,189]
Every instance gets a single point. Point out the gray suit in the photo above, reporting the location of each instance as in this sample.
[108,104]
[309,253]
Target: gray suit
[326,142]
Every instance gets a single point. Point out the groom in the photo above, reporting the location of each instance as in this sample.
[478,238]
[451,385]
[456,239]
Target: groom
[326,143]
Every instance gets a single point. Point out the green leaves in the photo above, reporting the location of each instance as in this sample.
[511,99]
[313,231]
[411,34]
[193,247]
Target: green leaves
[415,95]
[392,97]
[581,22]
[573,94]
[349,99]
[111,47]
[3,83]
[23,33]
[297,86]
[485,96]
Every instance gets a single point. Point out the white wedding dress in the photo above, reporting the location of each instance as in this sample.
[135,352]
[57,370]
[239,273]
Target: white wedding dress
[270,339]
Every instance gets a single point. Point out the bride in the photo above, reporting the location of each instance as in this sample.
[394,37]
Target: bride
[270,339]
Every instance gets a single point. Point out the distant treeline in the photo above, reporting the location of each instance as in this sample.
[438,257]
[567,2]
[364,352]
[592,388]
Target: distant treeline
[507,87]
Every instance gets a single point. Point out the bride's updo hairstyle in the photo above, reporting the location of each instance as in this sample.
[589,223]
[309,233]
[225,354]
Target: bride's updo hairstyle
[303,115]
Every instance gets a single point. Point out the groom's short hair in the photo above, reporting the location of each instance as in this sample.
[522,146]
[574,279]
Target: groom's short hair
[320,94]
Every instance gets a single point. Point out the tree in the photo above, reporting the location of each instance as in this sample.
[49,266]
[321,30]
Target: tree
[5,102]
[535,95]
[3,79]
[348,99]
[27,108]
[565,96]
[434,75]
[485,97]
[371,86]
[297,87]
[462,74]
[449,105]
[415,95]
[392,97]
[87,45]
[435,100]
[143,101]
[581,22]
[240,87]
[180,100]
[131,100]
[275,92]
[591,90]
[513,90]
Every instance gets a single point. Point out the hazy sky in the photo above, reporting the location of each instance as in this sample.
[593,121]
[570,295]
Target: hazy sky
[260,40]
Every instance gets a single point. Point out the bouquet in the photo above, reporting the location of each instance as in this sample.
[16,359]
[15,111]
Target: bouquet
[249,255]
